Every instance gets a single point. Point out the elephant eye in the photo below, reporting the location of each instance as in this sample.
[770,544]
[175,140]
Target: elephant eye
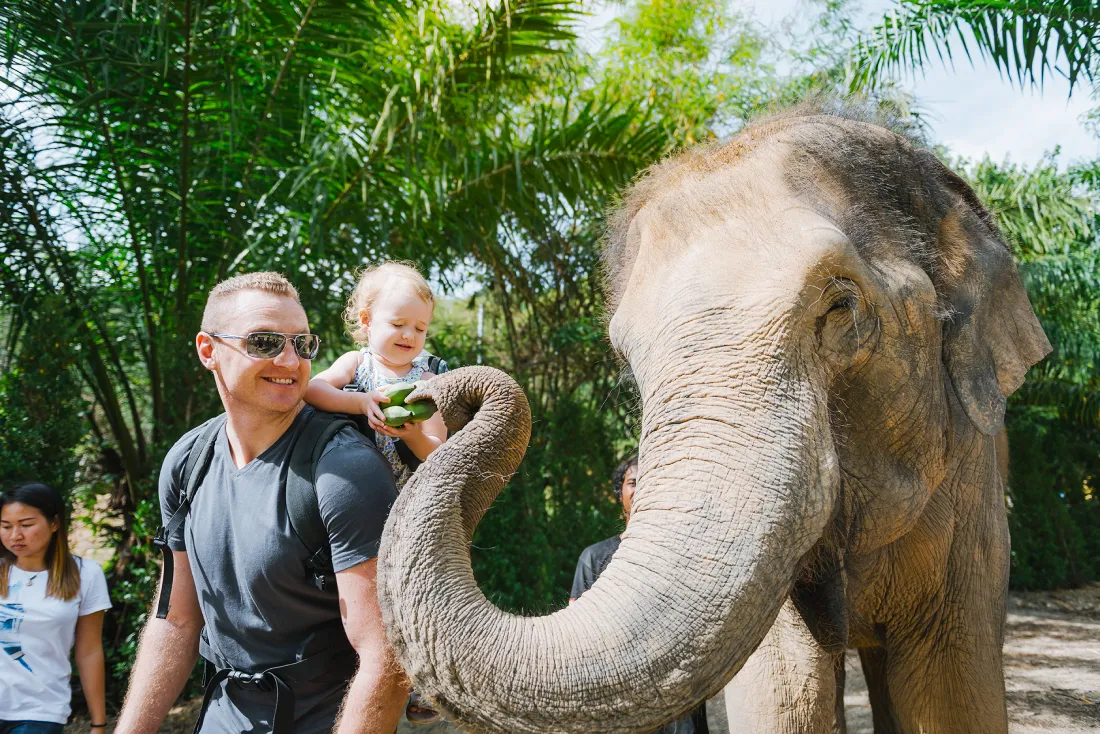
[845,302]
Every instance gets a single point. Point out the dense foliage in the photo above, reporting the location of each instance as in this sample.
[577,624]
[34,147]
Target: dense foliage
[149,149]
[1050,217]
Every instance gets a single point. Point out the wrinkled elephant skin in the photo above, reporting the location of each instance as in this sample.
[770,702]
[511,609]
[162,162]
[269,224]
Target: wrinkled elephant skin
[824,326]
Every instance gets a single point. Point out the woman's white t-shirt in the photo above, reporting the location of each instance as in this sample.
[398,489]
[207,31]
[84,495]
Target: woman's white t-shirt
[36,636]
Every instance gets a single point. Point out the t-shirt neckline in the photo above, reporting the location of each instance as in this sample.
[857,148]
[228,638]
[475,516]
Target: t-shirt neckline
[223,443]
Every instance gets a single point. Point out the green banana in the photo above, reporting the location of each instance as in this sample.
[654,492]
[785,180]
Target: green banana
[399,415]
[398,391]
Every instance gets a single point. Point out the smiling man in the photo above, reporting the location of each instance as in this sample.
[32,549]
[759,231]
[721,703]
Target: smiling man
[285,650]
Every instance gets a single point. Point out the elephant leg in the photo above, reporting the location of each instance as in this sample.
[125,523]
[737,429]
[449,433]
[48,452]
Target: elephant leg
[787,686]
[944,662]
[873,661]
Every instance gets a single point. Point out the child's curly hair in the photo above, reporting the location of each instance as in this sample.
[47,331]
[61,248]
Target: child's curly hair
[372,280]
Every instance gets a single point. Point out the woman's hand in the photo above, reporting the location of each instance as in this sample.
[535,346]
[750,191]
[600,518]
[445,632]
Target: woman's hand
[370,403]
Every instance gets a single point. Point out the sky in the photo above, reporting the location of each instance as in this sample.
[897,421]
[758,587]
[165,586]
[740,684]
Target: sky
[971,110]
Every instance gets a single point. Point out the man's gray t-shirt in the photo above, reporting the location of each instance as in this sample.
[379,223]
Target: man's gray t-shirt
[249,567]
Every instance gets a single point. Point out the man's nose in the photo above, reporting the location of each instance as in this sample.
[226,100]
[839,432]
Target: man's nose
[288,357]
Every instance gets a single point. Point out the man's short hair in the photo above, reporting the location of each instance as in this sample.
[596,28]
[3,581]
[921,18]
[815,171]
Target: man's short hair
[617,476]
[220,297]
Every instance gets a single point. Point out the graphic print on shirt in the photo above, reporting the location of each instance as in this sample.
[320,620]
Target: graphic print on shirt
[11,619]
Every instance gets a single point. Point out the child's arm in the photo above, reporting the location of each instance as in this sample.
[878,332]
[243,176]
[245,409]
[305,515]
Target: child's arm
[325,391]
[422,438]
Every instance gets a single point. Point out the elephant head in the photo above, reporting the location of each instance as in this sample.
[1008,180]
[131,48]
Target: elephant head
[814,313]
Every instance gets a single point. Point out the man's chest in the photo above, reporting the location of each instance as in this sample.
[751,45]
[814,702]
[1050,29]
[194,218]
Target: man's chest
[238,534]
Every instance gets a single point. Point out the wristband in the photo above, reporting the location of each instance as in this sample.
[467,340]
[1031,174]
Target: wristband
[98,726]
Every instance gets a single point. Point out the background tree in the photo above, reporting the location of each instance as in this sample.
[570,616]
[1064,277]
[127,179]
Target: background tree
[149,149]
[1025,39]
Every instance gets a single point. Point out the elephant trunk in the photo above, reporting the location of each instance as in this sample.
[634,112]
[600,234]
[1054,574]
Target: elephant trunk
[728,502]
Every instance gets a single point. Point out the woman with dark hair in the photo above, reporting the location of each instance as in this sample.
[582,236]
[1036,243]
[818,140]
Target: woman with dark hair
[50,601]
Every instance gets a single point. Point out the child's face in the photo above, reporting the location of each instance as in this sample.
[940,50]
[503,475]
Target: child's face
[397,324]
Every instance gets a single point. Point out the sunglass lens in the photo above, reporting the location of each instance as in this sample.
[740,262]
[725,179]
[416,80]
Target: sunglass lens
[307,345]
[265,345]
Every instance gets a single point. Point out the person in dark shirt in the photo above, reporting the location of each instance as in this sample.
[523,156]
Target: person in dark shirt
[595,558]
[242,591]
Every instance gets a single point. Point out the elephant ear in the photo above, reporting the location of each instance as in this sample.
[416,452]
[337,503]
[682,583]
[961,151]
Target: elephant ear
[992,336]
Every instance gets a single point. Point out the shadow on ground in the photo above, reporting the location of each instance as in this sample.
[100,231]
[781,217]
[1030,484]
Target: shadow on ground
[1052,673]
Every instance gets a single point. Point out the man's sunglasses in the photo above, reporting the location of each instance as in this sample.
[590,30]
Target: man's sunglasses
[270,344]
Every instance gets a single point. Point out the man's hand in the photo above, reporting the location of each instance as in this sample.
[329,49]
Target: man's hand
[167,654]
[377,694]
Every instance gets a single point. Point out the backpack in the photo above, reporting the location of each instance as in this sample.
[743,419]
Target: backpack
[298,488]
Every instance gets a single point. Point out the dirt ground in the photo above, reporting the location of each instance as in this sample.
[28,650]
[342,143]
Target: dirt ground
[1052,672]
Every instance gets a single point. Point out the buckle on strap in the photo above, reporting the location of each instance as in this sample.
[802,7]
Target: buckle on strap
[283,713]
[249,679]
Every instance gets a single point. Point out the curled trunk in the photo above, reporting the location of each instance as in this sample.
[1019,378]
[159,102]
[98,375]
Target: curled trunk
[702,571]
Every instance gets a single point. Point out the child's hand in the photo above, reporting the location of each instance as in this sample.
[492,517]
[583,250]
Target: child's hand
[370,407]
[403,432]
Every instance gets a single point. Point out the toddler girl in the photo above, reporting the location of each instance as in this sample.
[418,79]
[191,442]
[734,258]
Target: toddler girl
[389,312]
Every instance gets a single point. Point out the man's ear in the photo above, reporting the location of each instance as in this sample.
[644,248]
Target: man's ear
[992,337]
[204,346]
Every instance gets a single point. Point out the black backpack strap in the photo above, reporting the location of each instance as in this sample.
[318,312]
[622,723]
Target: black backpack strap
[198,459]
[436,365]
[301,492]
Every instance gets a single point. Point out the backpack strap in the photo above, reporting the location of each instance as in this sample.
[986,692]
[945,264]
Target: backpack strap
[198,459]
[300,492]
[436,365]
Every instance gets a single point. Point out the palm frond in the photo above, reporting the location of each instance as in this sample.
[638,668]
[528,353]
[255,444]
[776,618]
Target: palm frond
[1025,39]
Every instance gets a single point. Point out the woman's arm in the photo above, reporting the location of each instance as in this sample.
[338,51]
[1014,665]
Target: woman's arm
[88,654]
[325,391]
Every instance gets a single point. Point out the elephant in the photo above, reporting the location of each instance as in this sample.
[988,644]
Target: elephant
[823,324]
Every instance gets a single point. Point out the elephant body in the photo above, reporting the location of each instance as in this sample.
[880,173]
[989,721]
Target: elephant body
[824,325]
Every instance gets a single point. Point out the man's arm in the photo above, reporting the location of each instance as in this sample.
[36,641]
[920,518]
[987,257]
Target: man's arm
[377,694]
[166,656]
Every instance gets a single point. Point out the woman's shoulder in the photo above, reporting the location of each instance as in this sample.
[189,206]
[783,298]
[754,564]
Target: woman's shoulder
[90,571]
[94,596]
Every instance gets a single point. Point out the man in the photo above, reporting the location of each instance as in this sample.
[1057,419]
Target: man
[595,559]
[240,572]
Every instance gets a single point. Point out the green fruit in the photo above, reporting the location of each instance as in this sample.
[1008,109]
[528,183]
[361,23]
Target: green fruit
[421,410]
[399,415]
[398,391]
[396,415]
